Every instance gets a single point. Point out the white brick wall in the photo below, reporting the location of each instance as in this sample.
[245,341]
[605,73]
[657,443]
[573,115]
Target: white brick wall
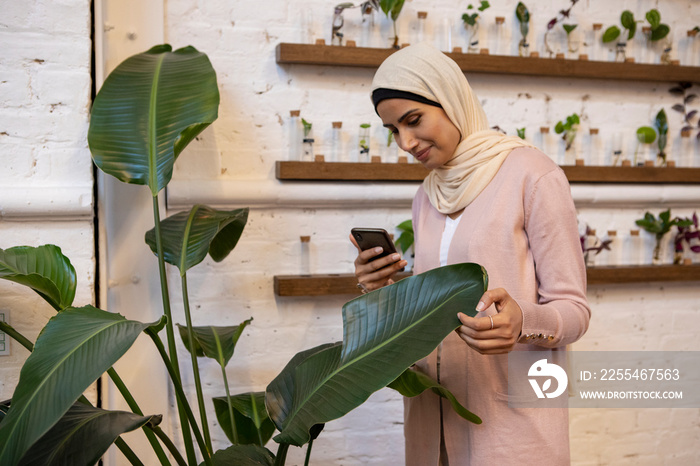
[46,174]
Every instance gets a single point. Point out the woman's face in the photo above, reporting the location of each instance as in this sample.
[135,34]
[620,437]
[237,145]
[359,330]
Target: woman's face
[420,129]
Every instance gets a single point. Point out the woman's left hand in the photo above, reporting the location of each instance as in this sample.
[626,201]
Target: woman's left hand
[507,324]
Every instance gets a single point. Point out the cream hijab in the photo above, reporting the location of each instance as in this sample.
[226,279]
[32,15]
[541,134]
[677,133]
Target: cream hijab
[424,70]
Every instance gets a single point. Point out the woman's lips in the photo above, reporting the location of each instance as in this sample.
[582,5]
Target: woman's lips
[422,155]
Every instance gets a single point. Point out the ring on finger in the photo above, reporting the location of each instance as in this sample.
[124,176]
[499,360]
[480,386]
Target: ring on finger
[491,322]
[362,288]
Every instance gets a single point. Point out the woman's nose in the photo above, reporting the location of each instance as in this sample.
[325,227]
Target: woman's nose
[406,141]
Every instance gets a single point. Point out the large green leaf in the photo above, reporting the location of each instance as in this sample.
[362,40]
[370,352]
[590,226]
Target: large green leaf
[75,347]
[44,269]
[148,109]
[412,383]
[206,341]
[253,425]
[385,332]
[4,406]
[243,455]
[189,236]
[82,436]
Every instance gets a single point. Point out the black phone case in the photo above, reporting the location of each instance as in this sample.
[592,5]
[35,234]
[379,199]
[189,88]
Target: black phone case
[368,238]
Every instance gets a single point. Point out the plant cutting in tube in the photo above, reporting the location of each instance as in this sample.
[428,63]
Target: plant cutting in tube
[471,22]
[523,16]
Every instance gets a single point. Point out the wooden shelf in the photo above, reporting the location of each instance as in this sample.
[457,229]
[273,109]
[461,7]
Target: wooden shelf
[643,274]
[319,285]
[355,171]
[336,284]
[308,54]
[652,175]
[349,171]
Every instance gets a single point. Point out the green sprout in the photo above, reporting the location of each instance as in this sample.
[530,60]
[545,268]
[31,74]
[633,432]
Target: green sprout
[523,15]
[569,29]
[645,135]
[659,30]
[364,143]
[307,127]
[661,125]
[392,9]
[568,128]
[472,21]
[660,226]
[628,23]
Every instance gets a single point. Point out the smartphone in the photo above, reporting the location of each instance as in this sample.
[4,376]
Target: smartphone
[368,238]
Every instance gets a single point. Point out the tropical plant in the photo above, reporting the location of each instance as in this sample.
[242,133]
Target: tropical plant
[406,238]
[471,22]
[561,16]
[392,10]
[523,16]
[137,130]
[659,227]
[681,90]
[568,129]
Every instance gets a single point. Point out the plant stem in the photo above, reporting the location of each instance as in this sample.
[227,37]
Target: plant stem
[128,452]
[195,366]
[18,337]
[228,393]
[396,36]
[281,456]
[657,249]
[179,392]
[546,44]
[172,350]
[308,452]
[134,407]
[169,445]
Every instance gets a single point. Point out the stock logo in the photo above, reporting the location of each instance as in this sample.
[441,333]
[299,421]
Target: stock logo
[541,369]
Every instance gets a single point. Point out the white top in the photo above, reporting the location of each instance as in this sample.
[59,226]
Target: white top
[447,235]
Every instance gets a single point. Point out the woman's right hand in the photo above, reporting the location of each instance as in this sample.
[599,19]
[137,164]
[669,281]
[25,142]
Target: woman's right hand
[376,274]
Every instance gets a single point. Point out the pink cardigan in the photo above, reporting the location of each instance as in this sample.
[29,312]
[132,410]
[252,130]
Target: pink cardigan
[522,228]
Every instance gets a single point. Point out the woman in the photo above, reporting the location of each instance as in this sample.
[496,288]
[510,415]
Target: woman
[497,201]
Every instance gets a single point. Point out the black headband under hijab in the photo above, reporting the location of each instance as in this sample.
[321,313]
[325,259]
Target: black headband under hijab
[383,93]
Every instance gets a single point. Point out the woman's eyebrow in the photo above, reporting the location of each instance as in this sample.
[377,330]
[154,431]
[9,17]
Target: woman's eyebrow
[401,118]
